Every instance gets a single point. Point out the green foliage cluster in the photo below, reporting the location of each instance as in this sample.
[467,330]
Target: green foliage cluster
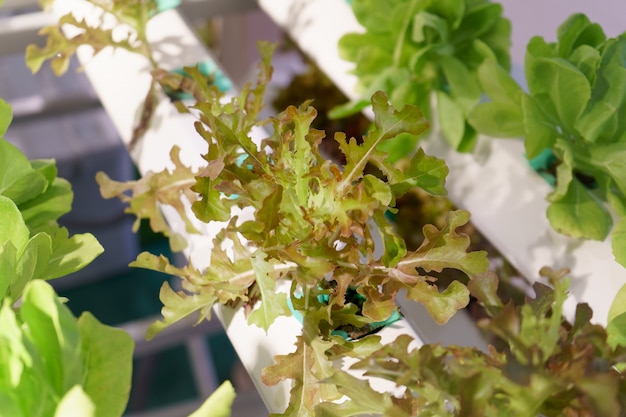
[414,48]
[51,363]
[314,224]
[576,107]
[32,198]
[550,367]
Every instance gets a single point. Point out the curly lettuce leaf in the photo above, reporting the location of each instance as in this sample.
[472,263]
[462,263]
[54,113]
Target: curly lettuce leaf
[60,48]
[445,248]
[145,195]
[388,123]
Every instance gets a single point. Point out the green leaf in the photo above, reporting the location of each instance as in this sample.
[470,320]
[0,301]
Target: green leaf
[503,116]
[348,109]
[441,306]
[451,119]
[441,249]
[6,116]
[47,167]
[540,129]
[498,84]
[446,248]
[604,119]
[70,254]
[565,85]
[372,14]
[605,159]
[480,19]
[416,48]
[8,261]
[576,31]
[618,239]
[59,48]
[586,59]
[618,305]
[13,165]
[579,214]
[464,86]
[170,188]
[218,404]
[12,226]
[363,400]
[426,25]
[52,362]
[273,304]
[54,333]
[108,353]
[499,120]
[32,262]
[426,172]
[388,123]
[176,305]
[616,329]
[27,187]
[49,205]
[16,377]
[394,245]
[452,10]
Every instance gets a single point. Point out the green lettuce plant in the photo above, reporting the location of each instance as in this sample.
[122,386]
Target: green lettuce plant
[313,225]
[32,198]
[414,49]
[52,363]
[575,108]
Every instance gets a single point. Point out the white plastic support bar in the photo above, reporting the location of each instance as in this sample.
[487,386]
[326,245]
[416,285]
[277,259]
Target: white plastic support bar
[121,80]
[506,198]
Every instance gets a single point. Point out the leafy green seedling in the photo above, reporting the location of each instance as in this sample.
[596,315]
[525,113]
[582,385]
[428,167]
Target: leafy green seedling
[575,107]
[313,225]
[414,49]
[54,363]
